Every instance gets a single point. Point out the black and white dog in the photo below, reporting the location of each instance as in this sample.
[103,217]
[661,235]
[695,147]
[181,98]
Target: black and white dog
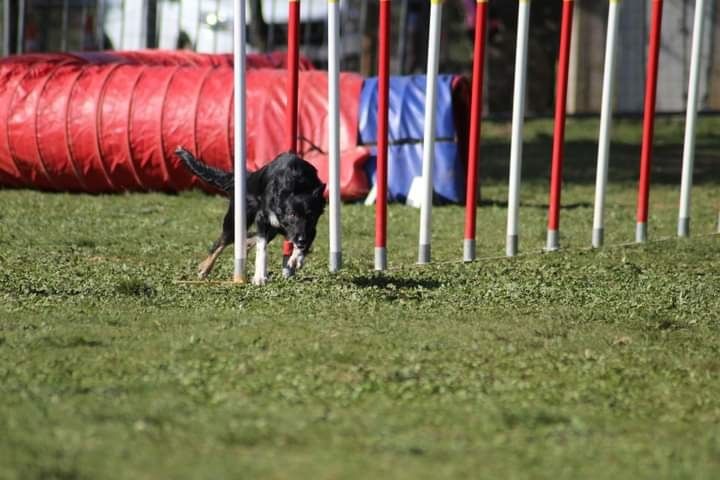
[284,197]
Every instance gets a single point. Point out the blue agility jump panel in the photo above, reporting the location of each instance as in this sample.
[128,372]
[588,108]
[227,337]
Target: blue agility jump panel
[405,130]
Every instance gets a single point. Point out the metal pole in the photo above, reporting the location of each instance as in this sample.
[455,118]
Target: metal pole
[382,137]
[99,24]
[363,63]
[335,261]
[690,120]
[122,25]
[240,213]
[307,33]
[291,114]
[402,45]
[553,233]
[198,25]
[21,27]
[6,28]
[476,107]
[424,254]
[598,234]
[271,27]
[511,247]
[216,28]
[648,122]
[64,23]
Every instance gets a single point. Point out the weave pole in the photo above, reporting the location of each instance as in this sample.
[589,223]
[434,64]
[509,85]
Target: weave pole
[20,47]
[100,23]
[335,260]
[598,234]
[651,75]
[6,29]
[64,23]
[553,232]
[511,247]
[382,137]
[481,8]
[691,120]
[291,112]
[240,212]
[429,130]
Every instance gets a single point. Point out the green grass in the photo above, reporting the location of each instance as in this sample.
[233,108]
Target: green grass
[577,364]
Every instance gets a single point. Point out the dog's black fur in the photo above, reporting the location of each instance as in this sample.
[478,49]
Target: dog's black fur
[284,197]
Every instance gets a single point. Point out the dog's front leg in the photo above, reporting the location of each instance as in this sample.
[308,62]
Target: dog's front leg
[294,263]
[260,277]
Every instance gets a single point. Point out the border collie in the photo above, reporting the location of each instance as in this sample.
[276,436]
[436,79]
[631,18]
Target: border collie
[284,197]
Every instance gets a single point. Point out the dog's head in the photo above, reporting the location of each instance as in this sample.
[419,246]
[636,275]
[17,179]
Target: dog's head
[299,215]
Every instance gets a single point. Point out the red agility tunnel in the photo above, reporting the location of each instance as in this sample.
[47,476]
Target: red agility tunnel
[91,124]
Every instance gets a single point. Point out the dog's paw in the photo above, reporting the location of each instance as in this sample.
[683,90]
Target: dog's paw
[203,270]
[288,271]
[257,280]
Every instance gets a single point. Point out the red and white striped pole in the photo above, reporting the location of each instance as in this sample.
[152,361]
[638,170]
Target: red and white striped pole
[382,137]
[649,122]
[291,113]
[553,229]
[481,9]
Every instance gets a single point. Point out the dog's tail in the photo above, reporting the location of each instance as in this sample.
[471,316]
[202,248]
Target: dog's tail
[214,176]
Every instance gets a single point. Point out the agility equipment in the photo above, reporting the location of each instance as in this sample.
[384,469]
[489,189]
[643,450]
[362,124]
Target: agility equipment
[406,129]
[553,230]
[651,74]
[691,120]
[518,121]
[291,109]
[608,95]
[239,148]
[424,254]
[71,124]
[476,106]
[335,260]
[383,90]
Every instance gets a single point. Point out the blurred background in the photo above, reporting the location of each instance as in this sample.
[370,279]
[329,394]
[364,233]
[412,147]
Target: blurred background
[206,26]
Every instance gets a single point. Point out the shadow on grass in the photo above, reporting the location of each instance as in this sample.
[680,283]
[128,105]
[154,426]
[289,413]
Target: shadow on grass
[581,159]
[489,202]
[394,283]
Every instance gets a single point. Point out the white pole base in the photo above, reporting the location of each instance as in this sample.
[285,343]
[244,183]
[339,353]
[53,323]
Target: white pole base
[335,262]
[641,233]
[553,241]
[511,247]
[239,275]
[469,250]
[380,259]
[598,237]
[423,254]
[718,223]
[683,227]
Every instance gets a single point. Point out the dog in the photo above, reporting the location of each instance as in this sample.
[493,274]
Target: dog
[284,197]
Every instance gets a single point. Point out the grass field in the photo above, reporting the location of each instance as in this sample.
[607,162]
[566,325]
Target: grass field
[576,364]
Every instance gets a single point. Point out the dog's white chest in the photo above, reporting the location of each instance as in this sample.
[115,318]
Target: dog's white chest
[274,220]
